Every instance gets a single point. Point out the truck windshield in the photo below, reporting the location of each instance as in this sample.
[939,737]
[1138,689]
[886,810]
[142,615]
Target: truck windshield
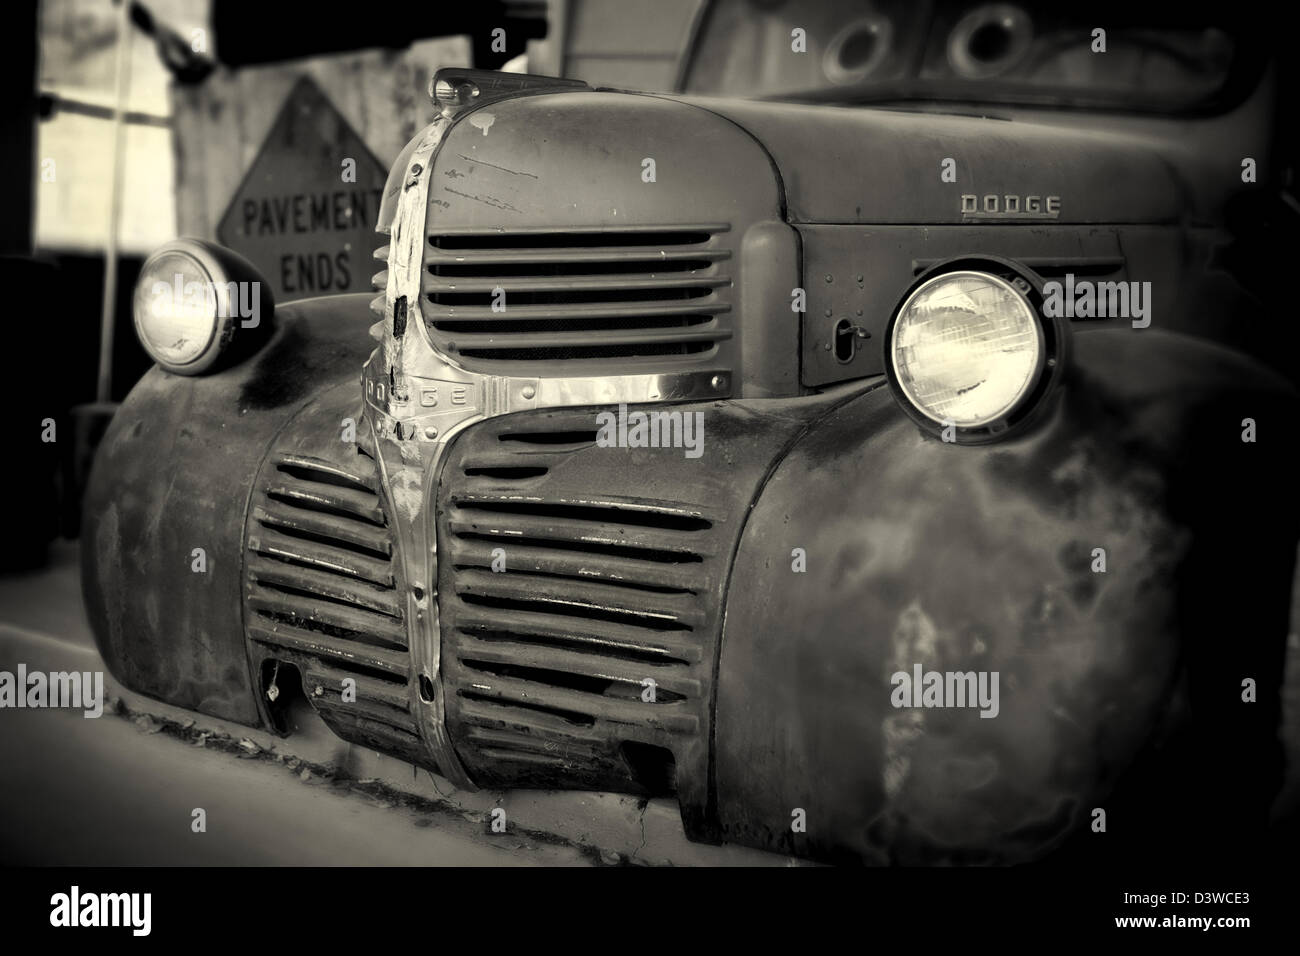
[1102,55]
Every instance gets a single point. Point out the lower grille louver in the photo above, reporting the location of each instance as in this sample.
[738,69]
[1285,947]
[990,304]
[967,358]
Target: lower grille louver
[321,595]
[545,664]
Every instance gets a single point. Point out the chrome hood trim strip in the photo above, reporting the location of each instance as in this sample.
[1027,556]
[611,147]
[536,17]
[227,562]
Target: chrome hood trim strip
[417,399]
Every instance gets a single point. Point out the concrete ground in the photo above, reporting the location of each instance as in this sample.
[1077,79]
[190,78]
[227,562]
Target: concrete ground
[122,789]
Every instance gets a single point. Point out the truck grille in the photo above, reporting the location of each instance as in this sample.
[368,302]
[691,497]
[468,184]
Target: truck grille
[657,295]
[545,663]
[321,594]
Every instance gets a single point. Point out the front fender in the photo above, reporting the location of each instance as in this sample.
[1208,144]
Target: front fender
[985,559]
[173,474]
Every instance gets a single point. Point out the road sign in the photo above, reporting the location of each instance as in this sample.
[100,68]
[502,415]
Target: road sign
[305,213]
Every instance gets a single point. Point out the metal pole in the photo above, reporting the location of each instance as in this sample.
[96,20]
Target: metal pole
[103,391]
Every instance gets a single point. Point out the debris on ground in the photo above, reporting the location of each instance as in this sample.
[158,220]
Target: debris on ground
[423,810]
[147,724]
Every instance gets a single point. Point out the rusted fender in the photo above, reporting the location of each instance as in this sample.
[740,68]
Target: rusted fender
[174,474]
[982,559]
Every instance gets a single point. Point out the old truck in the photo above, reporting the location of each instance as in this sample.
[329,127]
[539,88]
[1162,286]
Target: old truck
[980,550]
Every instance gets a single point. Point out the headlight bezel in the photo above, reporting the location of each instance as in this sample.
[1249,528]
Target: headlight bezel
[1053,339]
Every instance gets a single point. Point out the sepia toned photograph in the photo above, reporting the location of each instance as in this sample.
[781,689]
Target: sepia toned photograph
[685,435]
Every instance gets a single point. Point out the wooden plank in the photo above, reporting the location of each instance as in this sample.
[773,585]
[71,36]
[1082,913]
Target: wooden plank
[221,124]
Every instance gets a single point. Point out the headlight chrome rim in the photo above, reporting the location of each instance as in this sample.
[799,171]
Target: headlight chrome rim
[1052,336]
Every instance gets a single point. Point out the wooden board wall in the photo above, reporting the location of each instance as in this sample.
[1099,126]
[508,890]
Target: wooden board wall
[221,123]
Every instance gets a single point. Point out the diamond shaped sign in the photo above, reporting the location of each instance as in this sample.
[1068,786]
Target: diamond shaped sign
[305,213]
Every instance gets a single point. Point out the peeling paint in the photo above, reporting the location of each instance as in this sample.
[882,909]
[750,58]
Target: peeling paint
[405,489]
[482,120]
[399,317]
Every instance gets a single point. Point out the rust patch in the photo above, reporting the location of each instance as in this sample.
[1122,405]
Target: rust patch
[915,638]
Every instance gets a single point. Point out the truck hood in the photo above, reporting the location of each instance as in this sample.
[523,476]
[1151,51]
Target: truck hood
[877,166]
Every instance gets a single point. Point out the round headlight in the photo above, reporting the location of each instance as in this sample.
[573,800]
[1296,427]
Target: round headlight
[966,349]
[190,299]
[175,309]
